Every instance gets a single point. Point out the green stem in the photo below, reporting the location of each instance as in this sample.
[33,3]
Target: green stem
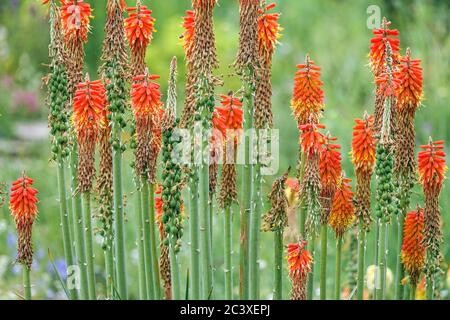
[80,246]
[174,271]
[376,259]
[429,292]
[151,259]
[227,258]
[89,247]
[400,271]
[361,260]
[121,272]
[26,283]
[337,288]
[380,289]
[413,291]
[255,226]
[323,261]
[143,289]
[301,207]
[194,233]
[205,240]
[278,265]
[65,221]
[109,266]
[310,289]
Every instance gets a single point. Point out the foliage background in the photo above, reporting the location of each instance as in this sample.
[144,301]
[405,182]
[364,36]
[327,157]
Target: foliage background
[333,32]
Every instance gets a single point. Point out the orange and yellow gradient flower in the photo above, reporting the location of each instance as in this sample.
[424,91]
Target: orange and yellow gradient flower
[139,27]
[413,249]
[432,167]
[342,213]
[268,32]
[75,15]
[300,265]
[381,37]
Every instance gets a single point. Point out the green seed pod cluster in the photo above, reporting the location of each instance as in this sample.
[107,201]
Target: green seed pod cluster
[116,96]
[172,177]
[387,203]
[58,97]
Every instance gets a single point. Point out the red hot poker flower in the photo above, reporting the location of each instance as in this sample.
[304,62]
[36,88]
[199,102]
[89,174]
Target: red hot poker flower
[308,96]
[381,38]
[342,211]
[364,144]
[146,96]
[188,34]
[299,259]
[75,20]
[330,163]
[89,108]
[409,90]
[432,166]
[229,115]
[139,27]
[268,32]
[413,248]
[386,85]
[311,139]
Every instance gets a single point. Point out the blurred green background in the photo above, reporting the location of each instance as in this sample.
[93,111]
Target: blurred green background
[333,32]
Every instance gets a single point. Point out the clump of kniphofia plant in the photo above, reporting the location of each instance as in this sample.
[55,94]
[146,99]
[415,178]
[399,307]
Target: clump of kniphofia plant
[311,143]
[268,35]
[147,109]
[24,212]
[88,117]
[363,158]
[228,119]
[300,265]
[139,28]
[413,248]
[432,170]
[307,97]
[342,213]
[330,169]
[382,37]
[276,218]
[248,35]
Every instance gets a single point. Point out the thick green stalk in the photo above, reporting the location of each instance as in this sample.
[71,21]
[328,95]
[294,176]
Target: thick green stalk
[227,258]
[376,261]
[247,190]
[80,246]
[278,265]
[412,293]
[337,287]
[301,206]
[109,266]
[141,253]
[174,271]
[361,260]
[194,233]
[151,259]
[429,291]
[205,234]
[400,271]
[89,248]
[121,272]
[310,288]
[381,288]
[26,283]
[65,221]
[255,227]
[323,261]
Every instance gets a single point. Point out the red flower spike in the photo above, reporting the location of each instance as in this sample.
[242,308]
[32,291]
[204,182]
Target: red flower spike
[188,34]
[146,96]
[23,201]
[386,85]
[299,259]
[308,96]
[379,42]
[330,163]
[342,212]
[413,248]
[139,27]
[432,167]
[311,139]
[89,108]
[229,115]
[268,32]
[409,90]
[364,144]
[75,20]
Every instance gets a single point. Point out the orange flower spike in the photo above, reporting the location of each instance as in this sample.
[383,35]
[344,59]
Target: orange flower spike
[89,107]
[364,144]
[432,167]
[386,85]
[409,90]
[228,116]
[413,248]
[146,96]
[311,139]
[268,31]
[299,259]
[308,96]
[381,37]
[23,201]
[188,34]
[330,163]
[139,27]
[342,212]
[75,16]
